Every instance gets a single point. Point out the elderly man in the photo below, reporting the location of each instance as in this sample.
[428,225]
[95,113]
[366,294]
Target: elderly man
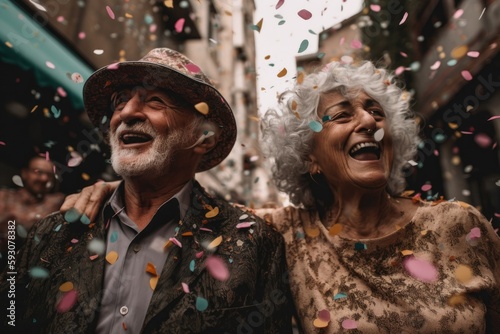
[163,256]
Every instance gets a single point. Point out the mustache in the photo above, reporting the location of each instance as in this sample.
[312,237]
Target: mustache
[136,127]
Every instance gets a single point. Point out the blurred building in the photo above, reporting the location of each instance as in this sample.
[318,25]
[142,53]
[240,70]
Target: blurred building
[50,47]
[447,52]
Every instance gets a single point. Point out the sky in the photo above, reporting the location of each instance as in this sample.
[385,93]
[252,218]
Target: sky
[288,26]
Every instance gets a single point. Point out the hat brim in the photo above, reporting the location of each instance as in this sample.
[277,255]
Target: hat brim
[104,82]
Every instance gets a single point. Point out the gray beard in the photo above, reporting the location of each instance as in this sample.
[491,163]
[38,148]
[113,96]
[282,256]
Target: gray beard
[132,162]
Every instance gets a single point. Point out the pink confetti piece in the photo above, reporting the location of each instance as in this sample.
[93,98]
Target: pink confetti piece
[420,269]
[193,68]
[458,13]
[74,241]
[175,241]
[2,143]
[67,301]
[426,187]
[375,8]
[356,44]
[76,78]
[473,54]
[113,66]
[304,14]
[405,16]
[110,12]
[399,70]
[60,19]
[185,287]
[324,315]
[82,35]
[436,65]
[205,229]
[466,75]
[217,268]
[280,3]
[179,25]
[483,140]
[403,54]
[93,257]
[342,40]
[245,225]
[466,132]
[76,159]
[493,117]
[199,254]
[349,324]
[497,214]
[61,92]
[475,233]
[50,65]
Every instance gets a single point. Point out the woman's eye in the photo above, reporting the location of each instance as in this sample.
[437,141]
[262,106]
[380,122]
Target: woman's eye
[376,112]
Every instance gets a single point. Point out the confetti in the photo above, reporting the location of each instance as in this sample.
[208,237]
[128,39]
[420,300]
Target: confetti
[67,301]
[176,242]
[436,65]
[304,14]
[76,159]
[243,216]
[483,140]
[315,126]
[349,324]
[169,3]
[420,269]
[403,20]
[336,229]
[185,287]
[463,274]
[192,265]
[458,13]
[340,295]
[39,272]
[375,8]
[312,232]
[245,225]
[426,187]
[399,70]
[360,246]
[473,54]
[111,257]
[38,6]
[318,323]
[18,181]
[379,134]
[202,108]
[493,117]
[21,231]
[179,25]
[110,12]
[406,252]
[98,51]
[151,269]
[76,78]
[216,242]
[282,73]
[473,236]
[303,46]
[279,4]
[201,304]
[50,65]
[459,51]
[113,237]
[212,213]
[153,281]
[457,300]
[65,287]
[217,268]
[324,315]
[257,27]
[466,75]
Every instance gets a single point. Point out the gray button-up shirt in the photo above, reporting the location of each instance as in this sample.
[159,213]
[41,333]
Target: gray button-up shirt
[134,260]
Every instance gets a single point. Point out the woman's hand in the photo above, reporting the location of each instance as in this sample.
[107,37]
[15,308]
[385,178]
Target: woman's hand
[90,199]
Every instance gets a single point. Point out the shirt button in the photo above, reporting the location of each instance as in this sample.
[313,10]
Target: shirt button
[137,248]
[123,310]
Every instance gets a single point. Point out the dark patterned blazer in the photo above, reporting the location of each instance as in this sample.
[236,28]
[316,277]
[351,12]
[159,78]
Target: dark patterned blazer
[255,298]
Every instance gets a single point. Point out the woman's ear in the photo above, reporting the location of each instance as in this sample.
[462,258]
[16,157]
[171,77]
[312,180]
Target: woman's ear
[313,165]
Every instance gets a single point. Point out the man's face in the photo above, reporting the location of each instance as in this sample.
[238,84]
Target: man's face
[147,129]
[38,178]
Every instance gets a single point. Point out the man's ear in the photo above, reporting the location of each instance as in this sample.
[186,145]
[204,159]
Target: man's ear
[207,144]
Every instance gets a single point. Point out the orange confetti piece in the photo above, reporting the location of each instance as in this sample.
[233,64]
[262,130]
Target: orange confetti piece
[169,3]
[9,44]
[463,274]
[294,105]
[300,77]
[282,73]
[406,252]
[216,242]
[111,257]
[212,213]
[65,287]
[187,234]
[336,229]
[312,232]
[85,176]
[152,282]
[459,51]
[34,108]
[318,323]
[151,269]
[457,300]
[202,108]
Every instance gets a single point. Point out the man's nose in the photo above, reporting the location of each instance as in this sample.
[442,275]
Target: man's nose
[133,109]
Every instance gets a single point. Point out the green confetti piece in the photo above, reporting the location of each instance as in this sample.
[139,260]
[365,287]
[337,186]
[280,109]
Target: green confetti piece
[39,272]
[21,231]
[282,22]
[303,46]
[315,126]
[360,246]
[113,237]
[192,265]
[201,304]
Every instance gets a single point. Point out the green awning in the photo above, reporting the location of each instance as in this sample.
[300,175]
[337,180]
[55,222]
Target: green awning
[25,43]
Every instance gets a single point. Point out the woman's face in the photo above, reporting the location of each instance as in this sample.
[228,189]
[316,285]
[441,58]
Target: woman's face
[345,151]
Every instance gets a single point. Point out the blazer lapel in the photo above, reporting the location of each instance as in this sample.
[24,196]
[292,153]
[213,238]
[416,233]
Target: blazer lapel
[184,264]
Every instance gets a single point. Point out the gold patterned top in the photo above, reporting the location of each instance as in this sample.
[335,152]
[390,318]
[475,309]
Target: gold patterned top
[438,274]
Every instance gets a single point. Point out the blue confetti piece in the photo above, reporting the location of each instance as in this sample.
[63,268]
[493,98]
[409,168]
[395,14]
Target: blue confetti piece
[113,237]
[148,19]
[37,239]
[315,126]
[299,235]
[326,118]
[339,296]
[72,215]
[191,265]
[55,111]
[303,46]
[57,228]
[282,22]
[201,304]
[104,119]
[360,246]
[39,272]
[84,220]
[21,231]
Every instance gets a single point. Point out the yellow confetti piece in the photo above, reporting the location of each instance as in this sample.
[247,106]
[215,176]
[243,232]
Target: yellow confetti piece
[228,13]
[216,242]
[459,51]
[9,44]
[282,73]
[111,257]
[424,232]
[300,77]
[202,108]
[406,252]
[212,213]
[318,323]
[336,229]
[152,282]
[34,108]
[463,274]
[65,287]
[453,126]
[254,118]
[46,112]
[169,3]
[457,300]
[312,232]
[259,25]
[463,204]
[128,16]
[85,176]
[151,269]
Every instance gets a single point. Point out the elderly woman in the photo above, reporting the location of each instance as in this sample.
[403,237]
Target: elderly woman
[362,257]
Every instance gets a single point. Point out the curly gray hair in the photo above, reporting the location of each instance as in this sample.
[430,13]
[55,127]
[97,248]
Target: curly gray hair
[287,135]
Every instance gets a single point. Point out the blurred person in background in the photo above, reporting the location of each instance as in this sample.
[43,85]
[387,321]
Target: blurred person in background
[28,204]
